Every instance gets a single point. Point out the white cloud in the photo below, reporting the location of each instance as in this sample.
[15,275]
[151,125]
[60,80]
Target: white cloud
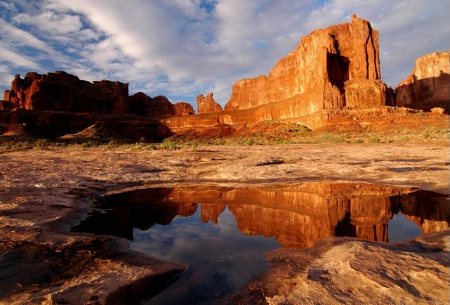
[16,38]
[51,22]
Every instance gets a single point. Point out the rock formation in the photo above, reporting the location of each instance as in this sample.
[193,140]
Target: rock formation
[428,85]
[61,91]
[182,108]
[143,105]
[331,68]
[207,104]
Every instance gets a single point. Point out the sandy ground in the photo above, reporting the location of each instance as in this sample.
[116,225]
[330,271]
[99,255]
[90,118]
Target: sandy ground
[44,192]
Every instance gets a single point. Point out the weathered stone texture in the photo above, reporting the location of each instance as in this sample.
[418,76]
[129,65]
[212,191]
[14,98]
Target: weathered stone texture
[207,104]
[182,108]
[61,91]
[428,85]
[330,68]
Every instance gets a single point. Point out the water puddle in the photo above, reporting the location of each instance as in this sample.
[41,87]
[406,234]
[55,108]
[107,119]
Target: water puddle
[224,233]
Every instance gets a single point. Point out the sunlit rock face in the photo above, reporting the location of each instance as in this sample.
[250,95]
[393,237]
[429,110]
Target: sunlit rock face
[207,104]
[61,91]
[428,85]
[296,216]
[331,68]
[183,108]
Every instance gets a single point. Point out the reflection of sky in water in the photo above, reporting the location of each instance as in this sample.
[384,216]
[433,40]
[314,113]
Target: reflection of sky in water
[402,229]
[221,258]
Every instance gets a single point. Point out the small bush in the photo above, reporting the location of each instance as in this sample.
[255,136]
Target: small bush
[331,138]
[89,143]
[169,145]
[42,144]
[374,140]
[113,144]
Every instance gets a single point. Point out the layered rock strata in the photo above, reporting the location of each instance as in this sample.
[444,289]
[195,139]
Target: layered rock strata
[428,85]
[60,91]
[331,68]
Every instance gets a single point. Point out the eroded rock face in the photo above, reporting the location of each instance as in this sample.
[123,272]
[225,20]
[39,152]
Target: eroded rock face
[428,85]
[207,104]
[182,108]
[61,91]
[331,68]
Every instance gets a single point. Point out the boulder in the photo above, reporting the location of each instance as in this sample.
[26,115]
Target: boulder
[330,68]
[428,85]
[207,104]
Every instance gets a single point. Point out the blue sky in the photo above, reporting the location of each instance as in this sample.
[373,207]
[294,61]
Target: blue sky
[183,48]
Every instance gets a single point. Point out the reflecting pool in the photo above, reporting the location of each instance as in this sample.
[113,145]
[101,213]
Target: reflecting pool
[224,233]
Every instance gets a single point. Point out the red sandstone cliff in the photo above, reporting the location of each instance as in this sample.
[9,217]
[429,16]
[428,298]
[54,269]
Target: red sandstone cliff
[331,68]
[428,85]
[61,91]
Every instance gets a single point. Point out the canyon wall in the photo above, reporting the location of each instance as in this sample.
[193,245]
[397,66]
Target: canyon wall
[331,68]
[428,85]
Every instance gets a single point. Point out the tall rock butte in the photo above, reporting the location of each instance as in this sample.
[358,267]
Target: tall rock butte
[207,104]
[331,68]
[428,85]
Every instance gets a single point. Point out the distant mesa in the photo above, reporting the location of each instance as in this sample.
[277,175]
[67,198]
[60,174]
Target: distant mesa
[330,69]
[60,91]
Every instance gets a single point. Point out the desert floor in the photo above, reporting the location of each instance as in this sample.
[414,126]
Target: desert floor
[43,192]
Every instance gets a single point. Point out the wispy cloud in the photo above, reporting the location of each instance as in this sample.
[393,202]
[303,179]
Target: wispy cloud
[182,48]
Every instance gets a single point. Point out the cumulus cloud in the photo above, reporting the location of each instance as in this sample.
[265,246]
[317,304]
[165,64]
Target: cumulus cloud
[182,48]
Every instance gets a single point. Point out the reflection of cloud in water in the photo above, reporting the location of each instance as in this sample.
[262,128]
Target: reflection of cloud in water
[211,240]
[217,253]
[400,226]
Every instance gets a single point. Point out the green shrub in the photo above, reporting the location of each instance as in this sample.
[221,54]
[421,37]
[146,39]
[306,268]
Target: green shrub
[89,143]
[332,138]
[42,144]
[169,145]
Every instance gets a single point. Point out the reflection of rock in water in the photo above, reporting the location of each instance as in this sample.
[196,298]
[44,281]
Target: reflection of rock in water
[121,221]
[296,215]
[430,211]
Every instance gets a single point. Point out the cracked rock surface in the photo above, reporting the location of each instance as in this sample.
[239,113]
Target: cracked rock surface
[45,192]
